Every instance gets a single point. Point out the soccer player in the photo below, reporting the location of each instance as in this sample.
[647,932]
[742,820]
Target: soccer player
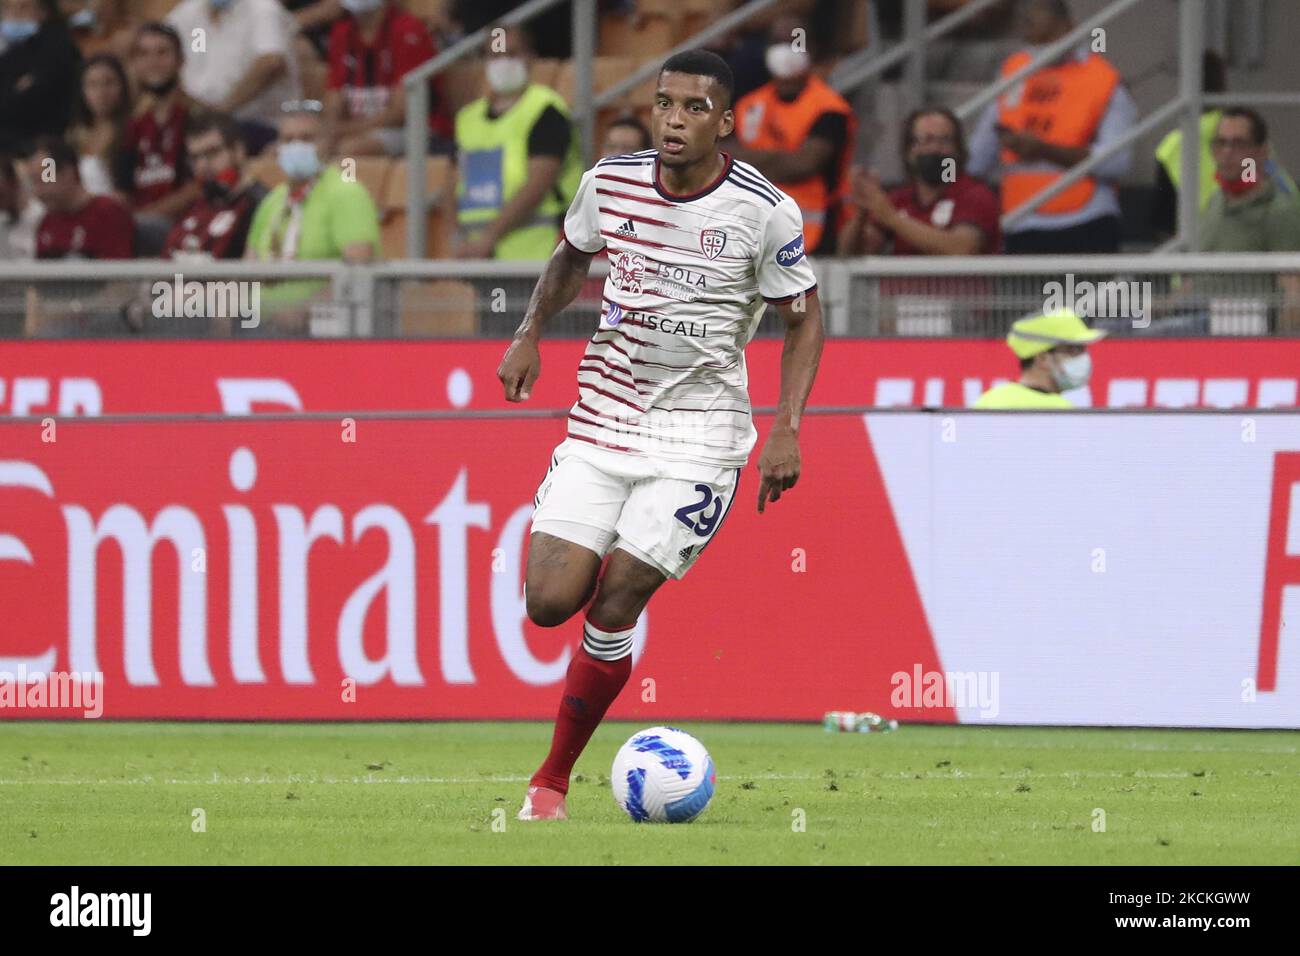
[648,472]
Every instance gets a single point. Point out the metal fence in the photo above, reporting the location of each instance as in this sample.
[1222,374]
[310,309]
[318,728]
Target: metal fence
[1130,295]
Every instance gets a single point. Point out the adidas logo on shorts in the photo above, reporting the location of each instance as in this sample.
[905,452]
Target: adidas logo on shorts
[685,553]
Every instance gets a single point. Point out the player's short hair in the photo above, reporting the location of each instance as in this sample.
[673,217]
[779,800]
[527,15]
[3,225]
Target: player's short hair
[58,149]
[223,123]
[703,63]
[1258,128]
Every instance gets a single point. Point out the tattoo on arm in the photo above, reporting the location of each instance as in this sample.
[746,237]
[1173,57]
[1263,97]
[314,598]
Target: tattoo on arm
[560,283]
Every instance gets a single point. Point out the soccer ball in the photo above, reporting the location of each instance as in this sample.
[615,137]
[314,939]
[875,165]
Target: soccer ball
[663,775]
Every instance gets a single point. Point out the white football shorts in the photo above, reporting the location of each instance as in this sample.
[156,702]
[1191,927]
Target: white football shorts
[602,499]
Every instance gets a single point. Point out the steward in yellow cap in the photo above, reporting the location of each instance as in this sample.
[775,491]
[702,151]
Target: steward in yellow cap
[1053,353]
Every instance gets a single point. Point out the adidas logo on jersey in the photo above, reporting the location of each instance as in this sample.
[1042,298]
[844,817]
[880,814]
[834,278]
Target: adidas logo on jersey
[627,229]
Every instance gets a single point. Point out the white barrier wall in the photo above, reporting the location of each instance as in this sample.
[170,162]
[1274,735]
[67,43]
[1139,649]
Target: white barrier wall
[1107,568]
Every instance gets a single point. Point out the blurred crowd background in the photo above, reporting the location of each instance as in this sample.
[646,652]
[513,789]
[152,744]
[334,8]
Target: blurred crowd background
[275,130]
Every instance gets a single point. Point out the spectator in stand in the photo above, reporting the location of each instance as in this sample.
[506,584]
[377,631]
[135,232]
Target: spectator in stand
[1053,354]
[1248,213]
[38,72]
[940,211]
[99,124]
[99,26]
[316,214]
[370,50]
[798,132]
[77,224]
[11,205]
[1051,120]
[626,134]
[10,201]
[20,211]
[160,183]
[315,19]
[1169,159]
[216,225]
[519,162]
[247,68]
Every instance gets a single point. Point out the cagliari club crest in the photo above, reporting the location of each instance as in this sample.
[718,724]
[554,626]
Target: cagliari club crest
[712,241]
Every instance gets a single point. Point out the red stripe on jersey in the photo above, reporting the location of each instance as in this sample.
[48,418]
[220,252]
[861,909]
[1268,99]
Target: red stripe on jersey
[584,421]
[611,395]
[624,179]
[634,341]
[600,443]
[615,346]
[640,242]
[636,218]
[685,408]
[626,384]
[590,356]
[651,200]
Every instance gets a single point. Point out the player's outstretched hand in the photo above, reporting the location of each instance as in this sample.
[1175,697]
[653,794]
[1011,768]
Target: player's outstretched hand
[778,466]
[519,369]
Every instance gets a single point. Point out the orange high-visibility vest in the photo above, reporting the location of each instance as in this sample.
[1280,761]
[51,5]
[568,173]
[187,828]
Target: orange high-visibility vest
[1062,105]
[765,121]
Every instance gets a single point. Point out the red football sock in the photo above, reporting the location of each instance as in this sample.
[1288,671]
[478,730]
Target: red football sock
[590,686]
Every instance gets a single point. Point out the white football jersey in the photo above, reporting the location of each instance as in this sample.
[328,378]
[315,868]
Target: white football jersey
[664,374]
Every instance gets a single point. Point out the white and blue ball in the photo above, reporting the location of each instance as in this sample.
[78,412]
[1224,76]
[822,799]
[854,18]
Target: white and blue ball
[663,775]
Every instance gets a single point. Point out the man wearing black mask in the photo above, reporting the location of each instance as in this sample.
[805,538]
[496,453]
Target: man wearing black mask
[939,211]
[216,226]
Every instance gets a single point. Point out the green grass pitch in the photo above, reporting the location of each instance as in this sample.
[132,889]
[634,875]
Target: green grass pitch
[118,793]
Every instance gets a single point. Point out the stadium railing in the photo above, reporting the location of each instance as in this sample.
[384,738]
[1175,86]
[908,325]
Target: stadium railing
[1181,294]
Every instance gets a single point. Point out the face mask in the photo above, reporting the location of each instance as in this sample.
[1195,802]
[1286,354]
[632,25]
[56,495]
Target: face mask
[359,7]
[220,187]
[299,160]
[1072,372]
[506,74]
[84,19]
[16,31]
[932,167]
[784,63]
[1235,186]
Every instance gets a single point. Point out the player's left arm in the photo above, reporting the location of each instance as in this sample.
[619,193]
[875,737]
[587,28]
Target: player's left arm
[779,464]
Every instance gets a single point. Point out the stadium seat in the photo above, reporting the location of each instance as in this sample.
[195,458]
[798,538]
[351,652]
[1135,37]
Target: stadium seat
[626,36]
[545,71]
[606,71]
[462,82]
[373,173]
[442,307]
[439,176]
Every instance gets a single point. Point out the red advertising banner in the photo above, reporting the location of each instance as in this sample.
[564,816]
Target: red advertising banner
[121,377]
[309,569]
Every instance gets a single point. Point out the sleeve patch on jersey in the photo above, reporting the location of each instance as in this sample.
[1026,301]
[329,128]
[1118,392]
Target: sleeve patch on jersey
[791,252]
